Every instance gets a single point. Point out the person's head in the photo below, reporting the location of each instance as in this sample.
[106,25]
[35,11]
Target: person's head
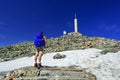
[42,32]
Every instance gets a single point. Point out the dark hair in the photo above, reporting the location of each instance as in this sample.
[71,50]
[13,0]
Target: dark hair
[42,32]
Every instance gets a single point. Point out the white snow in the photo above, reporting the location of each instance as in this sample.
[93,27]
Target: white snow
[104,67]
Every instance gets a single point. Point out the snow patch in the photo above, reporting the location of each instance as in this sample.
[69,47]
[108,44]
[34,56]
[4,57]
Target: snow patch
[104,67]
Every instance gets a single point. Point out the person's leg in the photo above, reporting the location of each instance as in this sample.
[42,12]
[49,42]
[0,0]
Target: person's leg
[35,58]
[40,57]
[36,55]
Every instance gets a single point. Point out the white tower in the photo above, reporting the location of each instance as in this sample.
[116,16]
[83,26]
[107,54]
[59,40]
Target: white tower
[75,24]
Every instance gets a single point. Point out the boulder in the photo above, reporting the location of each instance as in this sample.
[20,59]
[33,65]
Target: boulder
[59,56]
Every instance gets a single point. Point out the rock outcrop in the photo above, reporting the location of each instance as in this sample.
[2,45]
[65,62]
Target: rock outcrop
[72,41]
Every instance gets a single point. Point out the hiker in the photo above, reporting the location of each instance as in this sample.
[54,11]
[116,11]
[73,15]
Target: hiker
[39,42]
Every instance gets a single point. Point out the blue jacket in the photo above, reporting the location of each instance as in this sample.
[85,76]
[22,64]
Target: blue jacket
[38,41]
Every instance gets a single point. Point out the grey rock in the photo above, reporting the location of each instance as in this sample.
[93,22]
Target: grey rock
[59,56]
[8,74]
[2,77]
[38,72]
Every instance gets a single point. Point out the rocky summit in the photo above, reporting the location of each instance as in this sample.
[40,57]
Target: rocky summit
[71,41]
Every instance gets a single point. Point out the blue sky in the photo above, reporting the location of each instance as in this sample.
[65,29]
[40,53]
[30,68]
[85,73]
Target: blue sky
[20,20]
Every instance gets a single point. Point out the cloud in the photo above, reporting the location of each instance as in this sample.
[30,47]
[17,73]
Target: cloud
[2,28]
[2,36]
[1,22]
[2,25]
[117,30]
[110,28]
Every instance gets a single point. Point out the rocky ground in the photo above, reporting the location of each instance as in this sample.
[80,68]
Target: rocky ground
[72,41]
[47,73]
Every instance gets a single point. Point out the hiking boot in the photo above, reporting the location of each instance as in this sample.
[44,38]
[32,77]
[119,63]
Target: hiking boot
[38,65]
[35,65]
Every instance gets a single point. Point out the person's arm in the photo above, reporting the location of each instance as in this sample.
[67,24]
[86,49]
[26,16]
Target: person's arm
[44,39]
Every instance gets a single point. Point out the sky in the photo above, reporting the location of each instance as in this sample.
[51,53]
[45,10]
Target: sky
[20,20]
